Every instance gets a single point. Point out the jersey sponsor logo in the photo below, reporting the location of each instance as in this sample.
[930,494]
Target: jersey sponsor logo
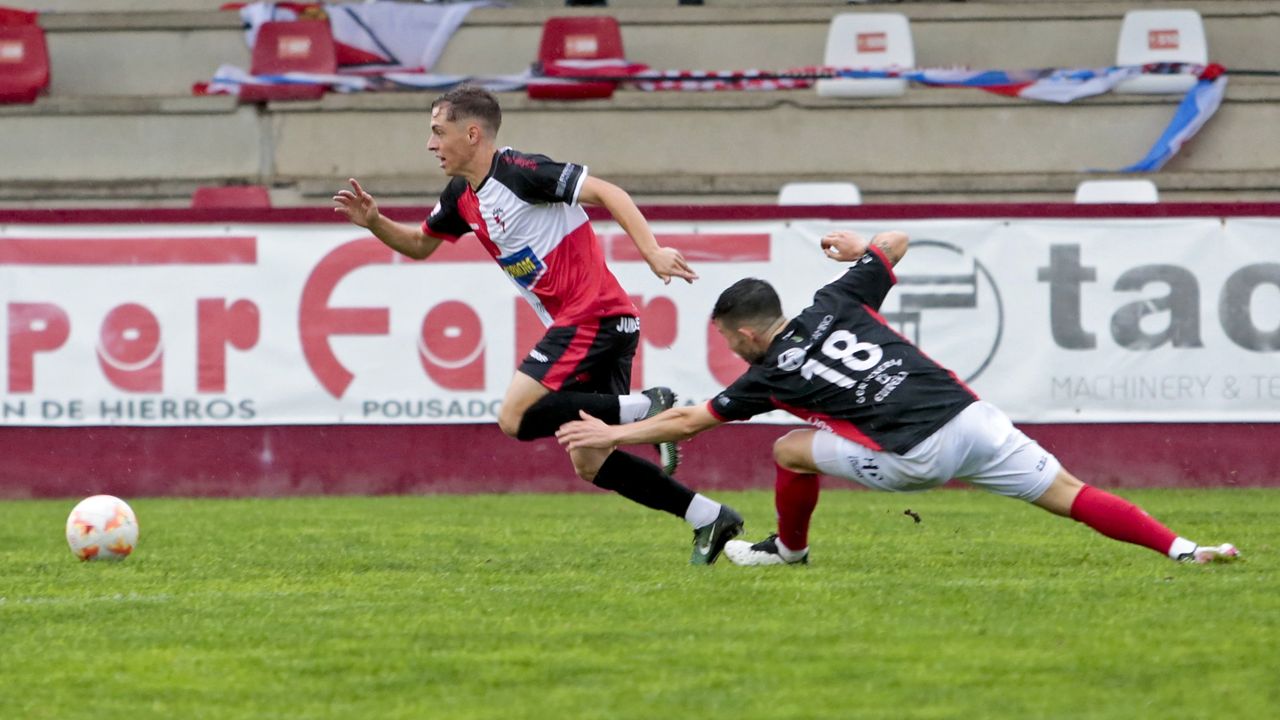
[628,325]
[791,359]
[941,287]
[520,161]
[823,326]
[523,267]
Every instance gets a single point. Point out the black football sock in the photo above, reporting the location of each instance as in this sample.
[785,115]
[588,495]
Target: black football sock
[545,417]
[640,481]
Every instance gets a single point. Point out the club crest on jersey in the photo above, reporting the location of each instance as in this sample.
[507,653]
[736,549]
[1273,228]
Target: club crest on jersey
[791,359]
[524,267]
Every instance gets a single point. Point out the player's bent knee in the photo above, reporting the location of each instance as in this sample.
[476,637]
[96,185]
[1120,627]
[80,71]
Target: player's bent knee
[508,422]
[794,451]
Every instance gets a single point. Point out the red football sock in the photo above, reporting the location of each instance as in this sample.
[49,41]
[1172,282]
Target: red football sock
[1120,519]
[795,495]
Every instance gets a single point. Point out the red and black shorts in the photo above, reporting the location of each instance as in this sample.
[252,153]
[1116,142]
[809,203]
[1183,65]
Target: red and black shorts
[592,357]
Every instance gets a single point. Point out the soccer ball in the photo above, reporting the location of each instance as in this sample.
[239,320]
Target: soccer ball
[102,527]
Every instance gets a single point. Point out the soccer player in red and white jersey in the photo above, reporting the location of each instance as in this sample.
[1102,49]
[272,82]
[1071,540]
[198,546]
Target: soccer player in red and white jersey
[525,210]
[887,416]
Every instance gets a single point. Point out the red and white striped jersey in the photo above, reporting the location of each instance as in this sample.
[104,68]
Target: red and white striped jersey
[526,214]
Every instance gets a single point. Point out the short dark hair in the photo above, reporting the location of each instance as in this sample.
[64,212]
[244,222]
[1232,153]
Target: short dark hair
[750,301]
[469,101]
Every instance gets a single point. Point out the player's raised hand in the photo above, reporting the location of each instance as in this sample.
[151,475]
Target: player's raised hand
[844,245]
[589,432]
[667,263]
[358,205]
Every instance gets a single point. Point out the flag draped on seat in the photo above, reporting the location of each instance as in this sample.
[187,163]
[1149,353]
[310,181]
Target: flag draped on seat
[389,46]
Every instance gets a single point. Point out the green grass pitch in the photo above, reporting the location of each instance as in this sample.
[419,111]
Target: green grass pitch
[583,606]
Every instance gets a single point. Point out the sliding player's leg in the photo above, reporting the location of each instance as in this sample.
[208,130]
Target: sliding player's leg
[1001,458]
[1119,519]
[795,497]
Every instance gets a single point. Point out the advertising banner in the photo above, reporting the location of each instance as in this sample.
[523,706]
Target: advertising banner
[1098,320]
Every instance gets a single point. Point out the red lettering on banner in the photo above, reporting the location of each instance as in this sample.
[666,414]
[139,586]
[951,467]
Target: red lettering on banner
[873,42]
[33,328]
[1162,39]
[451,346]
[317,321]
[658,327]
[219,325]
[130,251]
[695,247]
[129,349]
[725,367]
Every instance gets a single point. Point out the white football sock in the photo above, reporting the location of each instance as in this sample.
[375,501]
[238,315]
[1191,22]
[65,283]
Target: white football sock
[1180,547]
[787,553]
[633,407]
[702,511]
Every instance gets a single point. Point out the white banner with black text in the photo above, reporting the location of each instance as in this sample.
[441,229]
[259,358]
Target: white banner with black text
[1118,320]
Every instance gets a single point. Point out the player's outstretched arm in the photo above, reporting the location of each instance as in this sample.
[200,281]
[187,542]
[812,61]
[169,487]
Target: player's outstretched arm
[893,243]
[665,262]
[674,424]
[847,246]
[361,209]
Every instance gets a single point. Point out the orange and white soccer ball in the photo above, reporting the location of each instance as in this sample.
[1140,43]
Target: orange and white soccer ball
[102,527]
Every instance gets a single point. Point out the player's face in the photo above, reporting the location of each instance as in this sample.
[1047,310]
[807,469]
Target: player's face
[742,342]
[450,141]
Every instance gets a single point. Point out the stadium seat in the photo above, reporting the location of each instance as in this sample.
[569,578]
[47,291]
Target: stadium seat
[24,63]
[15,16]
[819,193]
[231,196]
[1117,191]
[1161,36]
[872,41]
[295,46]
[576,38]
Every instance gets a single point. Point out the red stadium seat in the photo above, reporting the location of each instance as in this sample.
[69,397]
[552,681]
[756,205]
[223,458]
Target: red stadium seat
[297,46]
[14,16]
[232,196]
[576,38]
[24,63]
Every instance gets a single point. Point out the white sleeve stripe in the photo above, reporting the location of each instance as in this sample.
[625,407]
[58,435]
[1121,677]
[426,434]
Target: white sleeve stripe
[577,188]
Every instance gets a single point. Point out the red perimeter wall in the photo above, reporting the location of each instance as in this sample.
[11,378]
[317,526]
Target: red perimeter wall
[366,459]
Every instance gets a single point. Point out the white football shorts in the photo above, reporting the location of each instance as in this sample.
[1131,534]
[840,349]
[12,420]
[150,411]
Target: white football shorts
[979,446]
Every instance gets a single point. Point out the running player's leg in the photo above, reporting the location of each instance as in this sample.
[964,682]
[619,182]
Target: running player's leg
[566,373]
[1014,465]
[589,368]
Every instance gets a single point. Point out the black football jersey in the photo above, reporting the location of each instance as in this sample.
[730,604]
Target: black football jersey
[840,366]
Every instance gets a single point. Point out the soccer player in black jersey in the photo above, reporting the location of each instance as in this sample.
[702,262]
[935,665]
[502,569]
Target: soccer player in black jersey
[525,211]
[886,415]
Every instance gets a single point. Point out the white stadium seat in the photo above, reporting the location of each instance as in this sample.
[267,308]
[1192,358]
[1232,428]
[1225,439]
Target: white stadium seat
[868,41]
[1154,36]
[1117,191]
[819,193]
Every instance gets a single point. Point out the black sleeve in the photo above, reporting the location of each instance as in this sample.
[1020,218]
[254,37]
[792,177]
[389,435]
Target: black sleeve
[445,221]
[539,179]
[868,280]
[748,396]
